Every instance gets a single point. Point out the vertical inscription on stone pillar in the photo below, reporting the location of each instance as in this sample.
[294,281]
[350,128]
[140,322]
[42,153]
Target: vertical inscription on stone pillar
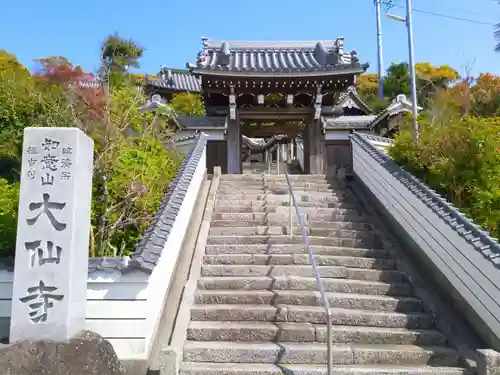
[51,263]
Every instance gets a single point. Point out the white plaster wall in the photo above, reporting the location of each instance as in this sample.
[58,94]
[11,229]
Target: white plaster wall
[215,135]
[116,308]
[333,135]
[164,272]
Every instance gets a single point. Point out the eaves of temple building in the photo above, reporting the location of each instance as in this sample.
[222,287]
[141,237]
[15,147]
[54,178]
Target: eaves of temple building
[287,80]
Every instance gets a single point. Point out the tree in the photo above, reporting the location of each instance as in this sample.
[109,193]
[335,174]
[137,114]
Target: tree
[497,35]
[397,80]
[188,104]
[367,88]
[60,84]
[18,109]
[367,85]
[131,171]
[471,96]
[119,54]
[429,79]
[459,158]
[432,78]
[486,95]
[10,62]
[58,70]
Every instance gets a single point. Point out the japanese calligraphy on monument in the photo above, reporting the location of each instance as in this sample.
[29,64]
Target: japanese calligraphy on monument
[51,159]
[50,276]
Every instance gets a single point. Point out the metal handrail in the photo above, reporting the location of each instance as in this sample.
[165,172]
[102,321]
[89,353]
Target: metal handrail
[326,304]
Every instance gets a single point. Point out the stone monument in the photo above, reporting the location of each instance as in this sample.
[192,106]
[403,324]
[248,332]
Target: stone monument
[51,262]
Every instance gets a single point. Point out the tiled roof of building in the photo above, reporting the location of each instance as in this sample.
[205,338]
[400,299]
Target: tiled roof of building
[96,84]
[352,93]
[202,122]
[90,83]
[397,106]
[347,122]
[175,80]
[294,58]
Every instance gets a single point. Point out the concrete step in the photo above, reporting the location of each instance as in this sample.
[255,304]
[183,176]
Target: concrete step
[310,298]
[304,283]
[276,184]
[336,225]
[273,177]
[257,217]
[260,204]
[265,188]
[326,213]
[283,195]
[312,212]
[338,272]
[307,332]
[278,192]
[278,219]
[256,183]
[232,239]
[236,229]
[310,314]
[205,368]
[300,259]
[253,223]
[315,353]
[291,250]
[320,227]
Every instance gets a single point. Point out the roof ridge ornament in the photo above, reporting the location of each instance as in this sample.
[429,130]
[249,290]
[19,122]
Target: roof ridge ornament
[204,41]
[401,98]
[354,58]
[339,45]
[162,72]
[321,53]
[225,54]
[170,76]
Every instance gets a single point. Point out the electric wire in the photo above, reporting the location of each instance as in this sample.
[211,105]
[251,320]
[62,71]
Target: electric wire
[391,4]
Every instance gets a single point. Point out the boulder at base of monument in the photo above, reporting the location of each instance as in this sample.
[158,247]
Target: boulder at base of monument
[85,354]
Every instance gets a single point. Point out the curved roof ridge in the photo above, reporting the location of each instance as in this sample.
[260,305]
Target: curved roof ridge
[269,44]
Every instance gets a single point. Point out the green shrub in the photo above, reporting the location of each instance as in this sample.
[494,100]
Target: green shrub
[122,206]
[127,198]
[9,197]
[461,160]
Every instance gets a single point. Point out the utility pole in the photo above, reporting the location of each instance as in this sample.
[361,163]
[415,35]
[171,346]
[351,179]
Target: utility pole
[413,83]
[379,52]
[411,65]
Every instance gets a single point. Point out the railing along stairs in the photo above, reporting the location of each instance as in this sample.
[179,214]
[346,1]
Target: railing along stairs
[282,160]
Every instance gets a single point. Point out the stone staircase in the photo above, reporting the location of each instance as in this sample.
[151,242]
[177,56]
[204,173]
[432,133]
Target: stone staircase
[293,167]
[257,309]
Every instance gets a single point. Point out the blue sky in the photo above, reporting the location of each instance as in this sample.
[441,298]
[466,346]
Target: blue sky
[171,30]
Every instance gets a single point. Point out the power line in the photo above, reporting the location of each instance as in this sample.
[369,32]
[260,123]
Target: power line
[391,4]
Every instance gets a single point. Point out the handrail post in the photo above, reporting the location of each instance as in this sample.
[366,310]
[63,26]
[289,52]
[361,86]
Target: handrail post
[278,160]
[290,215]
[329,338]
[269,161]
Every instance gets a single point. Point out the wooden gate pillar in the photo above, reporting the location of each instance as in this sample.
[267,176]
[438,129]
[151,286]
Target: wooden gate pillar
[313,148]
[234,146]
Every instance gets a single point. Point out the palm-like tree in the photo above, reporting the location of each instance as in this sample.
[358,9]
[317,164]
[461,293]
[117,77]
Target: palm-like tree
[497,37]
[119,54]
